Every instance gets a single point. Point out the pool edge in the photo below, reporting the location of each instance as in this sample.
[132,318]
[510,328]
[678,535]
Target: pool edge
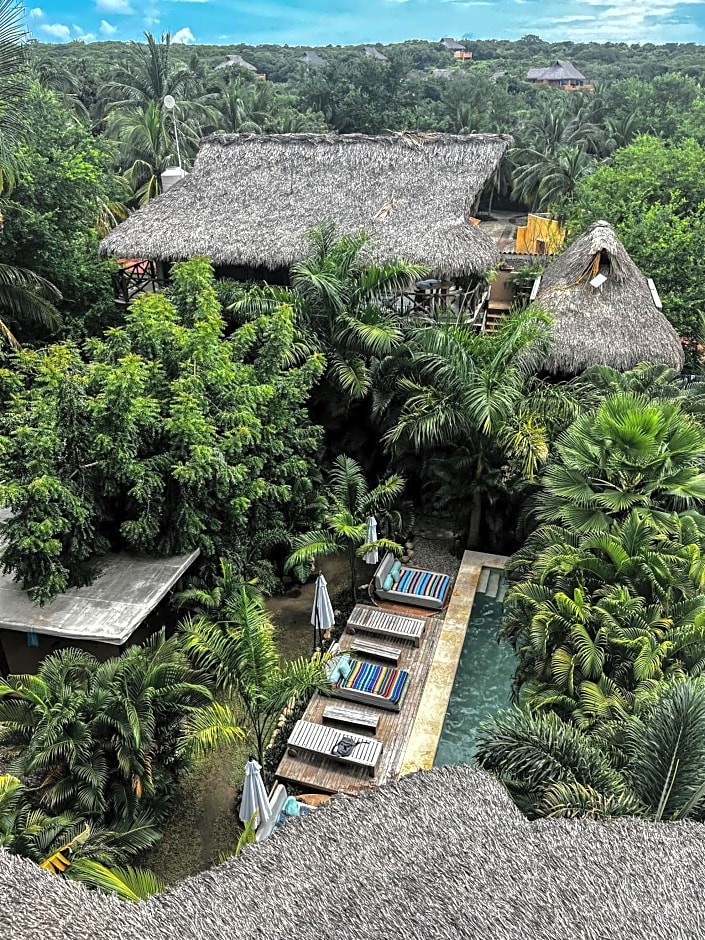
[426,731]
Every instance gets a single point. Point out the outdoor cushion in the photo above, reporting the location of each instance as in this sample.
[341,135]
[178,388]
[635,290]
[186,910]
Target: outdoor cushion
[388,682]
[423,583]
[396,571]
[344,666]
[388,583]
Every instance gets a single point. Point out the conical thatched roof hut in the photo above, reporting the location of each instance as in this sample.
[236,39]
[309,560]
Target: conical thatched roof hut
[615,322]
[251,198]
[436,855]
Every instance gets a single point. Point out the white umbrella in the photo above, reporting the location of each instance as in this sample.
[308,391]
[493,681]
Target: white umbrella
[322,618]
[371,557]
[254,795]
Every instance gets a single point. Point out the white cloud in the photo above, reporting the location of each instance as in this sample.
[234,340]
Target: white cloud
[121,7]
[183,36]
[107,29]
[36,13]
[57,30]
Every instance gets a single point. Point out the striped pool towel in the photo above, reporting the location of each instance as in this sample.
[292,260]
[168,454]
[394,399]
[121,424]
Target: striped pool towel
[423,583]
[386,681]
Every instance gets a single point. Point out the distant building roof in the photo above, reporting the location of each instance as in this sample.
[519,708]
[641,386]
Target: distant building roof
[445,73]
[313,58]
[107,611]
[453,44]
[232,60]
[375,54]
[559,70]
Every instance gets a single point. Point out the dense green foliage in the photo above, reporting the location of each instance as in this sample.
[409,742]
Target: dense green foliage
[168,436]
[238,649]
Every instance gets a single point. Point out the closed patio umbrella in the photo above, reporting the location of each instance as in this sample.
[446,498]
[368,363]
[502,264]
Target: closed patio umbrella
[322,618]
[254,795]
[371,557]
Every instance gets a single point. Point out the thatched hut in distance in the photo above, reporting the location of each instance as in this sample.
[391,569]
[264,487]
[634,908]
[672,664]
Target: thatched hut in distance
[443,854]
[605,311]
[250,200]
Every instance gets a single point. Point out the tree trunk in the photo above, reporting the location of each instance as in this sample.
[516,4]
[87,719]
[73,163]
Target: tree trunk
[475,520]
[353,586]
[489,205]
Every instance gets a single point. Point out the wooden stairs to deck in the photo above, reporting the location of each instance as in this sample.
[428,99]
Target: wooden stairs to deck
[494,317]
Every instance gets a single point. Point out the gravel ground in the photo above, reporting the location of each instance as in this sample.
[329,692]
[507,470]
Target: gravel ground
[435,555]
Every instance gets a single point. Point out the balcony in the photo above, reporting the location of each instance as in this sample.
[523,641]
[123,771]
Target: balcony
[136,278]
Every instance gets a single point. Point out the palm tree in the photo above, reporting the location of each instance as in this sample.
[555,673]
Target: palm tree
[468,397]
[632,452]
[651,764]
[13,72]
[350,503]
[240,653]
[344,306]
[148,146]
[148,74]
[26,297]
[105,739]
[67,846]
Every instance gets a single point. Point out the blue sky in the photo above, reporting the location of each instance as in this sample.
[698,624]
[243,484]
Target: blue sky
[319,22]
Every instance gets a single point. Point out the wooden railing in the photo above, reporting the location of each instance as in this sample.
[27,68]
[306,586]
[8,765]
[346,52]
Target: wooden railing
[134,279]
[443,302]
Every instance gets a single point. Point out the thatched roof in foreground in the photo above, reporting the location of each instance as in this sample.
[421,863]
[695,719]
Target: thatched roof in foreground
[617,324]
[251,198]
[437,855]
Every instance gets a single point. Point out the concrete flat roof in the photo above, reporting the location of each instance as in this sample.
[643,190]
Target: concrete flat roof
[107,611]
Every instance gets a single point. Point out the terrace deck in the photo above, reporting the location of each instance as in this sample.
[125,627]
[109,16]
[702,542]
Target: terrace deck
[318,773]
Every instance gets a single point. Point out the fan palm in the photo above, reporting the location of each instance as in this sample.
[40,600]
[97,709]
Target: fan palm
[631,453]
[652,764]
[350,503]
[240,653]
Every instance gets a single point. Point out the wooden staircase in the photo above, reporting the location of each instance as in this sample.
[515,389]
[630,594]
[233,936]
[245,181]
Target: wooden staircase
[494,318]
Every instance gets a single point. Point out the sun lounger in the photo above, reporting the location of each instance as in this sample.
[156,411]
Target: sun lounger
[415,586]
[381,686]
[351,716]
[388,654]
[321,739]
[383,623]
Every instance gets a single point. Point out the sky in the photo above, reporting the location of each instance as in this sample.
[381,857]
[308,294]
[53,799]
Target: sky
[323,22]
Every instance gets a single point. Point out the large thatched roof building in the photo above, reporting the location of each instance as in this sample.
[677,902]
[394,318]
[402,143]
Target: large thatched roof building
[437,855]
[250,200]
[605,311]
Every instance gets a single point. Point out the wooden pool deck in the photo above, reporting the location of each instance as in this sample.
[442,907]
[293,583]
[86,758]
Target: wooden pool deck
[318,773]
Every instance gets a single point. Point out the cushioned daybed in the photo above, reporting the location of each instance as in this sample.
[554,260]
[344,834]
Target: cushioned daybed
[382,686]
[412,586]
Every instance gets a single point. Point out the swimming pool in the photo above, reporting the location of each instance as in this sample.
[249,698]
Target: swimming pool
[483,681]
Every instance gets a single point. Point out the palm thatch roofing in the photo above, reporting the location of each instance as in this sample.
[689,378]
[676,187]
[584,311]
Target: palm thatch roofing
[251,198]
[560,70]
[617,324]
[233,60]
[313,58]
[453,44]
[436,855]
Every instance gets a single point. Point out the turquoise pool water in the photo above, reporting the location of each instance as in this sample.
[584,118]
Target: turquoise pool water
[482,683]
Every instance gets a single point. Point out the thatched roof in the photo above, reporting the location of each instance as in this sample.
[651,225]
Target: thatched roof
[453,44]
[560,70]
[233,60]
[250,200]
[436,855]
[313,58]
[618,324]
[374,53]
